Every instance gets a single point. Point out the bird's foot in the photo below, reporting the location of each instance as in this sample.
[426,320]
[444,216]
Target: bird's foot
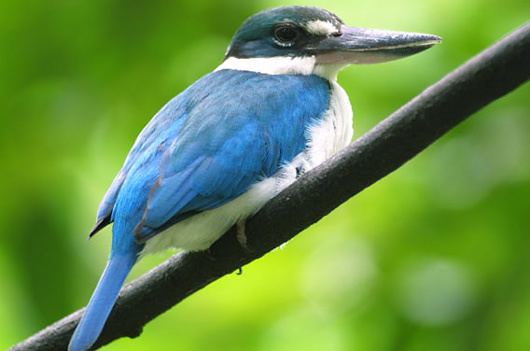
[241,235]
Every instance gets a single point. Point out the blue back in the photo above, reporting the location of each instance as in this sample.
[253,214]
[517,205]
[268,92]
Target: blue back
[208,145]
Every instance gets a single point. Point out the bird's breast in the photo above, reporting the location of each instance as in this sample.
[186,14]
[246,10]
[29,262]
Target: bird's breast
[334,131]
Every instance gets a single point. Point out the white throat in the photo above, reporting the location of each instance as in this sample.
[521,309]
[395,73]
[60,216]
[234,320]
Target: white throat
[283,65]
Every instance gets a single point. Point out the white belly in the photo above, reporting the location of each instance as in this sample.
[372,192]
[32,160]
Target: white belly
[327,137]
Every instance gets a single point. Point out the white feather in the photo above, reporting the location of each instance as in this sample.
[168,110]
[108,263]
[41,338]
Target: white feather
[321,28]
[271,65]
[334,131]
[304,65]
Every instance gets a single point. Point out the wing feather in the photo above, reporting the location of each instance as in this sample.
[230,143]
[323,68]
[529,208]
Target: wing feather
[213,142]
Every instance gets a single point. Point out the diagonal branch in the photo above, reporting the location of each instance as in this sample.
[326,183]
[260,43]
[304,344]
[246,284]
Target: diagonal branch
[483,79]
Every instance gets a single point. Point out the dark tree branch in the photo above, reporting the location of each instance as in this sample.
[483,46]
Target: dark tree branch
[485,78]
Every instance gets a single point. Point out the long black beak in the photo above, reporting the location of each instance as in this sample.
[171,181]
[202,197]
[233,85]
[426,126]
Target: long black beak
[362,45]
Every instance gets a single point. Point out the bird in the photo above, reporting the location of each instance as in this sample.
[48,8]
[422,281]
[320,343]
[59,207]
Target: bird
[222,148]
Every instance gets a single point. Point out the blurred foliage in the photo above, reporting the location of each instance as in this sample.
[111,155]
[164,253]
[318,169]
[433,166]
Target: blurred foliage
[434,257]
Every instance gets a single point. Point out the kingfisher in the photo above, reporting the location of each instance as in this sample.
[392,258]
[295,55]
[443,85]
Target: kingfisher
[218,151]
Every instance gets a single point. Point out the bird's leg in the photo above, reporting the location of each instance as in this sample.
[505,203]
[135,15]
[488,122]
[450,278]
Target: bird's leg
[241,236]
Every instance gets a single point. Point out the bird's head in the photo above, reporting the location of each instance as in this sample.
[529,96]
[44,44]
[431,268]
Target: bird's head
[311,40]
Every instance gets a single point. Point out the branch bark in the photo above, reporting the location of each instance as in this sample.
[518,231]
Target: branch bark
[483,79]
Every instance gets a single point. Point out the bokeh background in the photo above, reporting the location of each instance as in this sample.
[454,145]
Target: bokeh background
[434,257]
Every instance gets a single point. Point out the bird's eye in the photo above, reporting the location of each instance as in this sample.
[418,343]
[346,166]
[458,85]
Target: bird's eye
[286,35]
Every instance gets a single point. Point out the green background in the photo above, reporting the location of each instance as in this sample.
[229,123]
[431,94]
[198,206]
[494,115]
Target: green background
[433,257]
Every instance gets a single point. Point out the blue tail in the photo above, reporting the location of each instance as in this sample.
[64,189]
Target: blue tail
[102,300]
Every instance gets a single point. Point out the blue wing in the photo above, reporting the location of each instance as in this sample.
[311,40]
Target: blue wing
[210,144]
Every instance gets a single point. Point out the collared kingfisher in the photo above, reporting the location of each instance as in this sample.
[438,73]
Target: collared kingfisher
[218,151]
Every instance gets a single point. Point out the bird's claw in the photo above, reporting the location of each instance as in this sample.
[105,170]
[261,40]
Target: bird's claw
[241,235]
